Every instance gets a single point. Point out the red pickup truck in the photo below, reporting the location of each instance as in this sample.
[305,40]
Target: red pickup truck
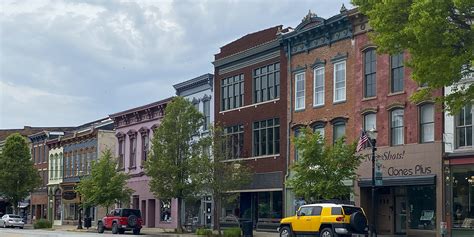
[121,219]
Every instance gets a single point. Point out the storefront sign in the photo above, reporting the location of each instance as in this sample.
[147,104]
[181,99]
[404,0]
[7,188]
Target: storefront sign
[69,195]
[417,170]
[388,155]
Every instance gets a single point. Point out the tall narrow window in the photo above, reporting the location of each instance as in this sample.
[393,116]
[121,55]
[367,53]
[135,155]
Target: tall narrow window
[340,81]
[318,97]
[133,151]
[232,92]
[396,62]
[121,152]
[319,128]
[299,91]
[427,123]
[266,83]
[207,114]
[464,127]
[339,130]
[370,122]
[145,142]
[370,64]
[266,137]
[397,128]
[235,141]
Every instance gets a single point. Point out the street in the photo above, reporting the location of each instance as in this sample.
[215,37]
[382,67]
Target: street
[9,232]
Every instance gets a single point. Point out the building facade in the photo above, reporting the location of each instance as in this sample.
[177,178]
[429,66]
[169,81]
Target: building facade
[200,92]
[133,130]
[80,149]
[459,167]
[250,102]
[409,142]
[55,178]
[321,81]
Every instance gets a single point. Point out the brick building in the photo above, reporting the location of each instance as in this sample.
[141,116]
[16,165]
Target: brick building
[409,142]
[321,89]
[250,103]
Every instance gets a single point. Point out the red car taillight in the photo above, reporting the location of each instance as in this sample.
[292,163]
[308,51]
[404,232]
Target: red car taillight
[340,218]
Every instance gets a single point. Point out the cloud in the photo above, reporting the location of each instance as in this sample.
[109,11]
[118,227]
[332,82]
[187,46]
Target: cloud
[73,62]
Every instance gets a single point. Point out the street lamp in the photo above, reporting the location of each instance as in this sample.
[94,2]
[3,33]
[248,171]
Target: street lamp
[79,223]
[372,134]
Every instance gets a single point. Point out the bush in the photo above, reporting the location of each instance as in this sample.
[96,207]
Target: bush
[42,224]
[232,232]
[202,231]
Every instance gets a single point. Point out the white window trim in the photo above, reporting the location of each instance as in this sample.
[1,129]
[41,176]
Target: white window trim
[314,86]
[334,81]
[304,90]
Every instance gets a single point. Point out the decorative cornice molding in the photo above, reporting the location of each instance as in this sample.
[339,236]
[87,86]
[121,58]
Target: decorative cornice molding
[144,131]
[318,63]
[195,82]
[206,97]
[299,69]
[396,105]
[132,133]
[369,110]
[339,119]
[339,57]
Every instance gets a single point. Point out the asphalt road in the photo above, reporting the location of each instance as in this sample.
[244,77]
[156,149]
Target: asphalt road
[9,232]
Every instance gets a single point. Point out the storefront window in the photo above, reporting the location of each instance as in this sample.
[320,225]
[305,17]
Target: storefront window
[165,210]
[422,207]
[463,197]
[270,204]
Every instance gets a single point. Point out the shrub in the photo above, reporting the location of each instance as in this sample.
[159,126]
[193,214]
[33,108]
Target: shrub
[42,224]
[202,231]
[232,232]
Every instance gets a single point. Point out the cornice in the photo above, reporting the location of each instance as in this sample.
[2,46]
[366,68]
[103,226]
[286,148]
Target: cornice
[206,79]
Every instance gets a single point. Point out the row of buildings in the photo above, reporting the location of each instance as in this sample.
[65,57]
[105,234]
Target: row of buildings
[266,86]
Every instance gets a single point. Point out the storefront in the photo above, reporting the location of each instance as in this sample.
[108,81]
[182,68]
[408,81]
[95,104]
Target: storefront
[409,200]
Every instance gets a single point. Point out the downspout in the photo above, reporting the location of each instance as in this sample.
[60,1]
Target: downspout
[289,119]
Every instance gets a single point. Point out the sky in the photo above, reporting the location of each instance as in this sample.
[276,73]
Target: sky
[66,63]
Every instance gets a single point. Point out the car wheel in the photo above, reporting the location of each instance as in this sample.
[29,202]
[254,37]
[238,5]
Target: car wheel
[100,227]
[286,232]
[115,228]
[327,232]
[121,231]
[136,231]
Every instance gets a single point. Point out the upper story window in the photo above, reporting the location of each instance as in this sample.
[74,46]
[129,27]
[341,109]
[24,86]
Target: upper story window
[318,97]
[427,123]
[207,114]
[396,82]
[145,144]
[235,141]
[266,83]
[133,151]
[232,92]
[299,91]
[340,81]
[370,64]
[266,137]
[319,128]
[397,127]
[121,152]
[339,130]
[464,127]
[370,121]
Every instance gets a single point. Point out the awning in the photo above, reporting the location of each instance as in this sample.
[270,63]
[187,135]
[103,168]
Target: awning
[263,182]
[401,181]
[23,204]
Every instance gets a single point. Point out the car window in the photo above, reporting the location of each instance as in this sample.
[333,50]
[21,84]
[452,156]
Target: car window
[129,212]
[14,216]
[316,211]
[336,211]
[306,211]
[117,212]
[348,210]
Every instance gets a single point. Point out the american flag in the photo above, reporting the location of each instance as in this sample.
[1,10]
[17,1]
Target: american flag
[362,141]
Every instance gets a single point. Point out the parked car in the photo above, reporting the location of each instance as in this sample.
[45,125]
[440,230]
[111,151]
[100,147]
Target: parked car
[326,220]
[11,220]
[120,220]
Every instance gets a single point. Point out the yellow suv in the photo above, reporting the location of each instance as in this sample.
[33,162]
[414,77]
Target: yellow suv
[325,220]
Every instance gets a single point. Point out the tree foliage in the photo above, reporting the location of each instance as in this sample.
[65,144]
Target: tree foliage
[175,153]
[18,176]
[438,35]
[321,169]
[219,175]
[105,186]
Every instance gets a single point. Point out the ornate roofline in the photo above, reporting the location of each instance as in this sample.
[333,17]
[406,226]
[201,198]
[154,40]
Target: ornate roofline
[207,78]
[141,108]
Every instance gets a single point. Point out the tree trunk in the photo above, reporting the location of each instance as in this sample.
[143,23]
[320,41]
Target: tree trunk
[15,206]
[179,228]
[217,211]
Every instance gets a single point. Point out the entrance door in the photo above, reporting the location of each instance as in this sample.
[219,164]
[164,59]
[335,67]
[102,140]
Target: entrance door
[400,214]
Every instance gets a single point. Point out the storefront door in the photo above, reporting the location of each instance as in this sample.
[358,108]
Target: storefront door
[400,214]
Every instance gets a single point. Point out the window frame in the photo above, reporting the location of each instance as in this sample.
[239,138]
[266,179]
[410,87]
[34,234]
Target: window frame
[422,124]
[303,79]
[397,68]
[335,81]
[401,127]
[231,133]
[465,127]
[322,69]
[229,102]
[335,124]
[365,120]
[264,142]
[368,74]
[207,114]
[258,75]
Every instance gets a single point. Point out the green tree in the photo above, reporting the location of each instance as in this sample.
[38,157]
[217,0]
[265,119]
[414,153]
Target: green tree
[438,35]
[174,153]
[219,175]
[105,186]
[18,176]
[321,169]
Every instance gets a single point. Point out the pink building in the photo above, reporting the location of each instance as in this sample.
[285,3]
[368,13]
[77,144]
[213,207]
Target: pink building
[134,130]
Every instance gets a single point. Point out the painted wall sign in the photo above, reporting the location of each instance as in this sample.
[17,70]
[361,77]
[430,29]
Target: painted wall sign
[417,170]
[388,155]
